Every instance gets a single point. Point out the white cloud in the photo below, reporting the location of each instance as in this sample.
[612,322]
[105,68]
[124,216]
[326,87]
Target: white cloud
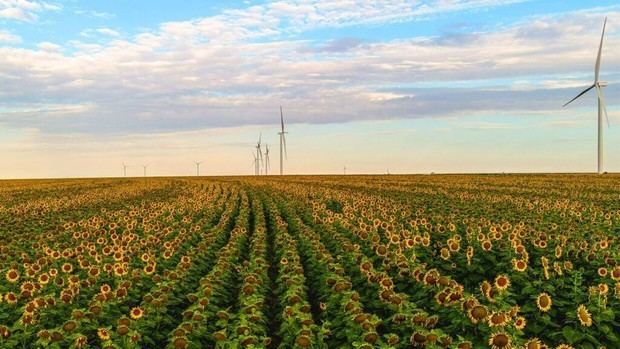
[209,72]
[25,10]
[108,31]
[7,37]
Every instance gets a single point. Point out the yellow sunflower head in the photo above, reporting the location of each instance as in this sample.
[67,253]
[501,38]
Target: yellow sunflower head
[500,340]
[544,302]
[136,313]
[585,318]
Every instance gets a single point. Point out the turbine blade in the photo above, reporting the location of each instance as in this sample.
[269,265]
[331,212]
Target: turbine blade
[284,141]
[601,99]
[597,67]
[281,119]
[579,95]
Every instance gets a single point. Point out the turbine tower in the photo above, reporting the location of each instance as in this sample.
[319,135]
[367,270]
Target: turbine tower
[599,85]
[198,167]
[254,163]
[144,168]
[125,169]
[259,154]
[282,142]
[267,164]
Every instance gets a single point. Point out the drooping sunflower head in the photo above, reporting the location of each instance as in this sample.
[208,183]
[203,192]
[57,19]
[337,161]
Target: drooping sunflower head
[585,318]
[478,313]
[69,326]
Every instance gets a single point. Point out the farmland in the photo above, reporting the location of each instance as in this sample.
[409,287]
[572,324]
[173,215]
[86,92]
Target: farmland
[442,261]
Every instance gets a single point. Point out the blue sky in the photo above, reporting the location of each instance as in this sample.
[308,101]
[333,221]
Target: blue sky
[415,86]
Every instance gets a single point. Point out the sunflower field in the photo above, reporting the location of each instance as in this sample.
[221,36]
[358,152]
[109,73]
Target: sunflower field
[441,261]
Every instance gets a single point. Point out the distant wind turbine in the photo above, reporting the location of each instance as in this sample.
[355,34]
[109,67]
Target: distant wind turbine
[254,163]
[125,169]
[144,168]
[282,142]
[345,170]
[198,167]
[267,164]
[259,154]
[599,85]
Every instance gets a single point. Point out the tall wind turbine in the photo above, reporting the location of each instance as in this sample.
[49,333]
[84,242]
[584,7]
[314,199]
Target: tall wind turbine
[125,169]
[267,164]
[198,167]
[259,154]
[599,85]
[254,163]
[282,142]
[144,168]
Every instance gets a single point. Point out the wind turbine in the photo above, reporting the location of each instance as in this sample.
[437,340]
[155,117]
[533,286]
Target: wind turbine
[125,169]
[282,142]
[345,170]
[144,168]
[259,154]
[267,165]
[198,167]
[599,85]
[254,163]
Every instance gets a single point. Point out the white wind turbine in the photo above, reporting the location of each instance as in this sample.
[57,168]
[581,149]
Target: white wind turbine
[254,163]
[198,167]
[599,85]
[267,164]
[282,142]
[259,154]
[144,168]
[125,169]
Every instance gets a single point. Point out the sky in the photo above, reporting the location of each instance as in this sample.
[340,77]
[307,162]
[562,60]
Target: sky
[376,86]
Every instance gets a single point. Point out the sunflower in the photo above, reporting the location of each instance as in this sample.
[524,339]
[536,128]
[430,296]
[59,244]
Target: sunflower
[80,341]
[519,265]
[103,334]
[44,279]
[136,313]
[105,288]
[615,273]
[500,340]
[66,268]
[602,272]
[520,323]
[477,313]
[498,319]
[502,282]
[584,316]
[533,343]
[10,298]
[564,346]
[544,302]
[12,276]
[69,326]
[180,342]
[149,269]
